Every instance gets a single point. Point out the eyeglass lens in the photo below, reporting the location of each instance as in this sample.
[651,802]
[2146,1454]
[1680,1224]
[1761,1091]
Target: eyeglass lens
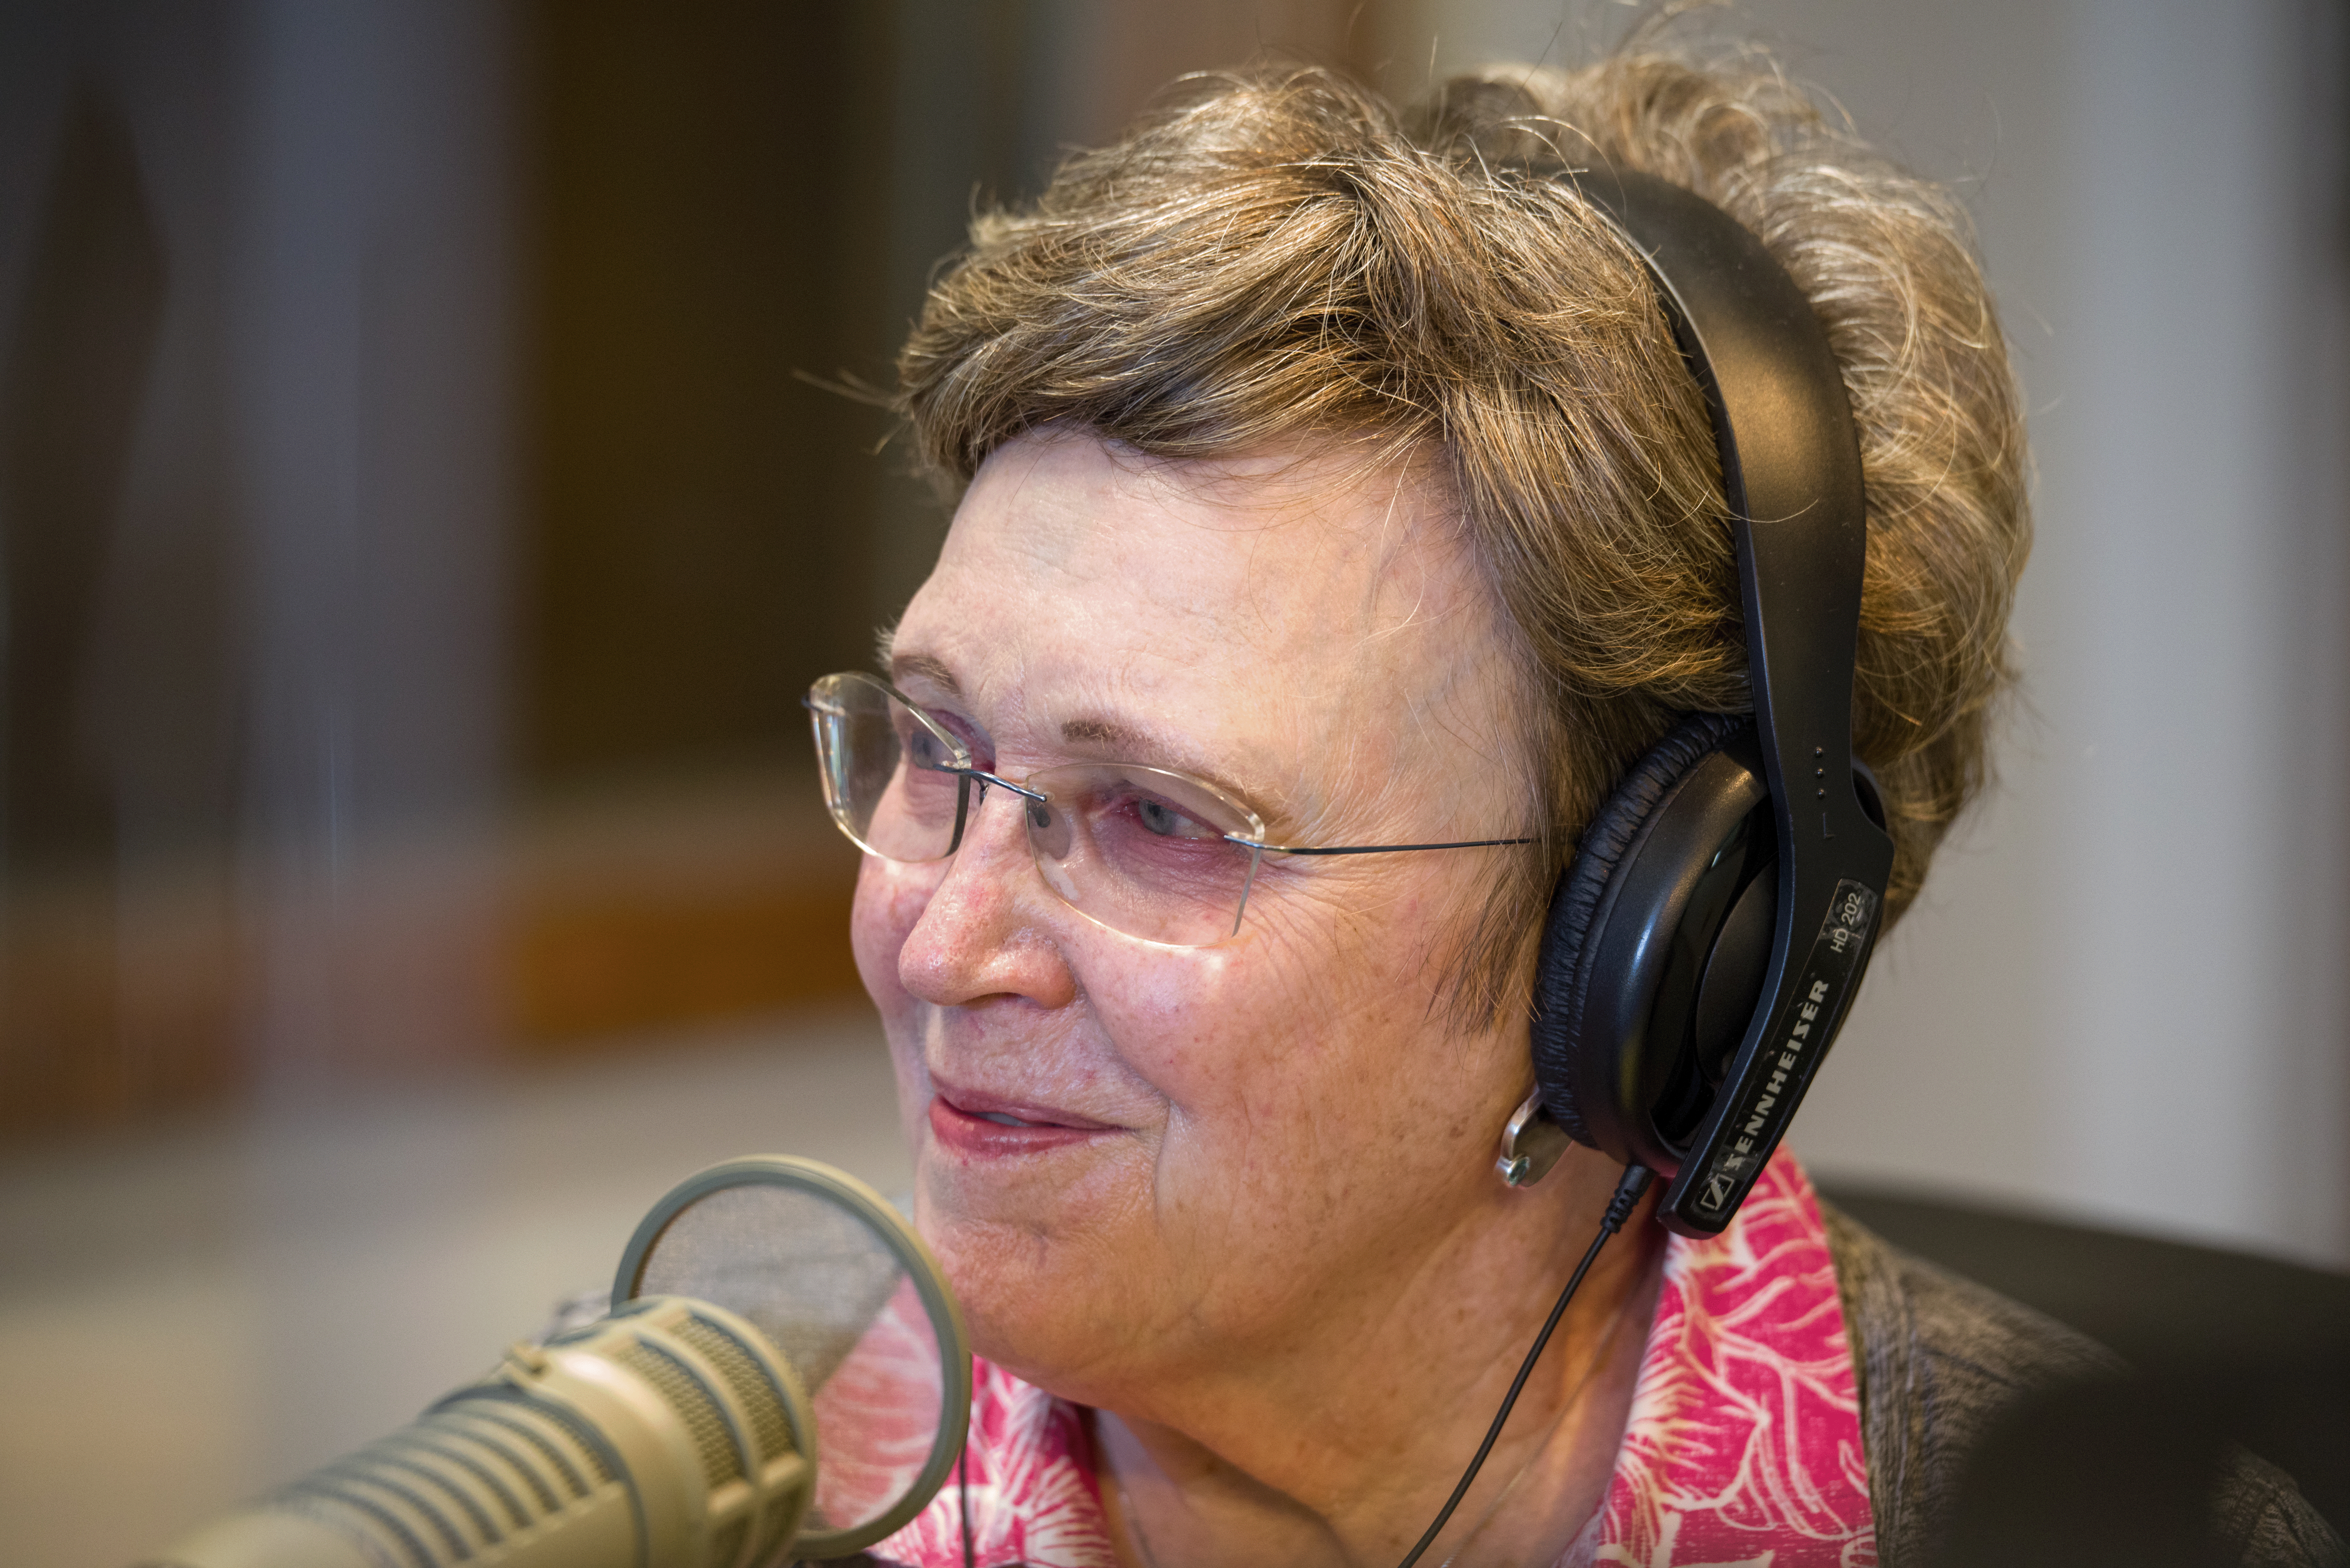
[1138,849]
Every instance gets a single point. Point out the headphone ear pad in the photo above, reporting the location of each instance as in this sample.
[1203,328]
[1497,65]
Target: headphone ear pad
[1562,976]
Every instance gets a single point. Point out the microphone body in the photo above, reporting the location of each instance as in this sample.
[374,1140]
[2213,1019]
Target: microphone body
[670,1434]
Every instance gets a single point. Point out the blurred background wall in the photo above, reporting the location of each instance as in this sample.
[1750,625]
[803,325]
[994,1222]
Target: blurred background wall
[426,487]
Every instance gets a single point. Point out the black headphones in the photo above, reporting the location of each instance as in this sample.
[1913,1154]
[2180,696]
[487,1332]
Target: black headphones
[1703,946]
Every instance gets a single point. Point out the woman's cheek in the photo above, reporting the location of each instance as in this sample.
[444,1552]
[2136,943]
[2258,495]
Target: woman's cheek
[1216,1032]
[889,904]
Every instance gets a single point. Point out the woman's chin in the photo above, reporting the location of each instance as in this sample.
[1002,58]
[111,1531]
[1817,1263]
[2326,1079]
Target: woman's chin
[1024,1314]
[1030,1259]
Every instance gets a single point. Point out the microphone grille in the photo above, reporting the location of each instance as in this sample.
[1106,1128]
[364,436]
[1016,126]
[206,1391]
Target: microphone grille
[757,1391]
[687,1395]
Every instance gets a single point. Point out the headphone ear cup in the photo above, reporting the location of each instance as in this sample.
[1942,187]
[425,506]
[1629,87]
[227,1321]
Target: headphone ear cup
[1563,1050]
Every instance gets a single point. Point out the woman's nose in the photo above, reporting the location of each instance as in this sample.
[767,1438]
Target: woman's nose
[989,928]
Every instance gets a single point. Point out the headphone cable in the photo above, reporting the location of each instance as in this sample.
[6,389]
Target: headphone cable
[1628,1193]
[963,1497]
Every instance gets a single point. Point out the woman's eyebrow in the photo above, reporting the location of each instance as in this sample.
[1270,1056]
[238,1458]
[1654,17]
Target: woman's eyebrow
[1093,731]
[1126,743]
[902,665]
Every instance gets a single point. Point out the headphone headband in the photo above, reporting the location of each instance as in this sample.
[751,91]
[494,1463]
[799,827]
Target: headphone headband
[1792,477]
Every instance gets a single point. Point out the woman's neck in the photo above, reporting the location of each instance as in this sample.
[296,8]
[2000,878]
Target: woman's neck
[1342,1453]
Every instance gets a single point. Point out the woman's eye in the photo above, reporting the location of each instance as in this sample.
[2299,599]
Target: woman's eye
[927,751]
[967,735]
[924,750]
[1157,816]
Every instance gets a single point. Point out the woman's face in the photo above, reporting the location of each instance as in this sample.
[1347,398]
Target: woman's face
[1139,1162]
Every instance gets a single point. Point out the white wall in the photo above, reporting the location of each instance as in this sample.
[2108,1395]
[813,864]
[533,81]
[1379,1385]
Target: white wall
[2120,998]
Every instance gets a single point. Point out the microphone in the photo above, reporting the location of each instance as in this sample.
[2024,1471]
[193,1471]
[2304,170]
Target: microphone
[760,1302]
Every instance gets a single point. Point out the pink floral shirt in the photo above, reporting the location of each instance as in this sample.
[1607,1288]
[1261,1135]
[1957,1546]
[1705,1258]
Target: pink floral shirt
[1742,1448]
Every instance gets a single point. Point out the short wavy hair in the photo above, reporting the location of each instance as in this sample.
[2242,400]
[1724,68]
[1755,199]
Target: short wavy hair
[1280,256]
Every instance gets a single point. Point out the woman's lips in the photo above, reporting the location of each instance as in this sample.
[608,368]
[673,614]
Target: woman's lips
[973,1123]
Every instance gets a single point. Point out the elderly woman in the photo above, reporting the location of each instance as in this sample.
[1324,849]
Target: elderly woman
[1334,481]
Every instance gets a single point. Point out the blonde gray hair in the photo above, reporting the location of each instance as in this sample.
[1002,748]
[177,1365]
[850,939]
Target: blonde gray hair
[1281,257]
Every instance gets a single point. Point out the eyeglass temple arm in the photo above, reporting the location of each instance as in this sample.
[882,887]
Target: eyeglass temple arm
[1258,851]
[1365,848]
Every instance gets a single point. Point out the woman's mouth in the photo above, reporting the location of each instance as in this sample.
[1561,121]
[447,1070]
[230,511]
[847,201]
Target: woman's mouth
[975,1124]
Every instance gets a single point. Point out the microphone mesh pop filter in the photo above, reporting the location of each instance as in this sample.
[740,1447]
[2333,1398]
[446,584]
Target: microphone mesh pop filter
[838,1281]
